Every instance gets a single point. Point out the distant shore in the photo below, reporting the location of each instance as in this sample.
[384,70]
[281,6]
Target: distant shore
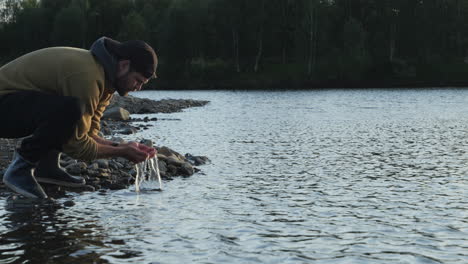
[296,84]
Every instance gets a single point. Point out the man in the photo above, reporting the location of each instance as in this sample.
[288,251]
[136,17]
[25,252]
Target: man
[56,96]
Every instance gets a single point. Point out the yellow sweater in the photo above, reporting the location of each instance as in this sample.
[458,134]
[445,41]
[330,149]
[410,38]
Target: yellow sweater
[69,72]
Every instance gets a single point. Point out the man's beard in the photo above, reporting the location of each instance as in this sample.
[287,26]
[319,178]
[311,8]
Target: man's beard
[120,84]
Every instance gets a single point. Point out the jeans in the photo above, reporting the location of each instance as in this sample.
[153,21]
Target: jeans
[46,120]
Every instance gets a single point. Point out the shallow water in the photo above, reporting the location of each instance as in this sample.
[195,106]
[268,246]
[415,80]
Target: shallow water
[334,176]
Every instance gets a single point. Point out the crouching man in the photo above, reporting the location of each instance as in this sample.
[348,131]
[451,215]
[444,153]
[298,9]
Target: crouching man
[55,97]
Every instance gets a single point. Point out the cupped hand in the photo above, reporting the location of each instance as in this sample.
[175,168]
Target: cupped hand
[151,151]
[142,148]
[133,153]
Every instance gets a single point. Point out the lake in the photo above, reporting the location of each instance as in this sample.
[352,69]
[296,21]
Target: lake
[326,176]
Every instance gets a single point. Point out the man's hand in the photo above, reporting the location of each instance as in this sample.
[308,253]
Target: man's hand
[132,151]
[137,153]
[150,151]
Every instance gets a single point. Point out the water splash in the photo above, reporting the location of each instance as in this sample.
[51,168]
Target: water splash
[147,171]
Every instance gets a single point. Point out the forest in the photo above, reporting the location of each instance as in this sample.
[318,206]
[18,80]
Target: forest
[258,43]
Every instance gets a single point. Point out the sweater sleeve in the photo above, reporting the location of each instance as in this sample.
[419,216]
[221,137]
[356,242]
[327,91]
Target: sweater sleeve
[96,119]
[88,90]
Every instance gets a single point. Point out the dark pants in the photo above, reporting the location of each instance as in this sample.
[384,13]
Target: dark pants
[49,121]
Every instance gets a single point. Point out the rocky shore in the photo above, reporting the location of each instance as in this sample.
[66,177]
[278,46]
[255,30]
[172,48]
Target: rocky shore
[118,173]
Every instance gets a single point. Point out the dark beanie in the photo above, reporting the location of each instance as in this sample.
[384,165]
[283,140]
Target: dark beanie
[142,57]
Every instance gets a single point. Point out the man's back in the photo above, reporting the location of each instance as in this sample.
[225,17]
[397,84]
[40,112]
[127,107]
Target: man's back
[44,70]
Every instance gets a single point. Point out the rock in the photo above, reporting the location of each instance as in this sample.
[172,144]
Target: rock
[133,172]
[171,169]
[117,186]
[128,131]
[69,203]
[93,166]
[121,160]
[104,175]
[147,142]
[115,165]
[146,119]
[169,152]
[162,166]
[186,169]
[161,156]
[93,173]
[76,168]
[174,161]
[106,131]
[116,113]
[102,163]
[196,160]
[124,174]
[117,140]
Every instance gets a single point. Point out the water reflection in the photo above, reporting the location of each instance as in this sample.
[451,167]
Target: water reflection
[38,232]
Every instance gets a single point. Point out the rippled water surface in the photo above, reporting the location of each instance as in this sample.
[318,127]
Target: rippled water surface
[334,176]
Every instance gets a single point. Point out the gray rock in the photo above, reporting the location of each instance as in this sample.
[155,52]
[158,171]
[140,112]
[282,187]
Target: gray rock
[196,160]
[115,165]
[121,160]
[106,131]
[174,161]
[102,163]
[93,173]
[104,175]
[169,152]
[116,113]
[161,156]
[93,166]
[147,142]
[186,169]
[76,168]
[118,140]
[171,170]
[128,131]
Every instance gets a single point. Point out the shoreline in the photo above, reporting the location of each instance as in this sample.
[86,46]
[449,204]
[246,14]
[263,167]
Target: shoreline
[118,173]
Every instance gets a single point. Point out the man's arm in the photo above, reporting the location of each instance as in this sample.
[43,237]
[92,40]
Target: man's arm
[131,150]
[103,141]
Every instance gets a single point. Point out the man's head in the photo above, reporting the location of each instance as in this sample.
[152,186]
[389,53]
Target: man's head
[137,63]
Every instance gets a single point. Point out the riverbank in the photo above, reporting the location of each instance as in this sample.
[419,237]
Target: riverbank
[118,173]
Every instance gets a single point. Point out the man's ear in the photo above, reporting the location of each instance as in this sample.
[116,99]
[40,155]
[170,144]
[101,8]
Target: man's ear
[123,67]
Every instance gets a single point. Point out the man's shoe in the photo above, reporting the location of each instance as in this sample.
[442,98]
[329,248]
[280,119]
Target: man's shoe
[48,170]
[19,177]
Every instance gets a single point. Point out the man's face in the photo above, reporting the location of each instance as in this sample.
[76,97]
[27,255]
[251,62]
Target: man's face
[129,82]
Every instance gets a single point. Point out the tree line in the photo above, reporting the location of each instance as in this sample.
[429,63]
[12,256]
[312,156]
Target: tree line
[321,41]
